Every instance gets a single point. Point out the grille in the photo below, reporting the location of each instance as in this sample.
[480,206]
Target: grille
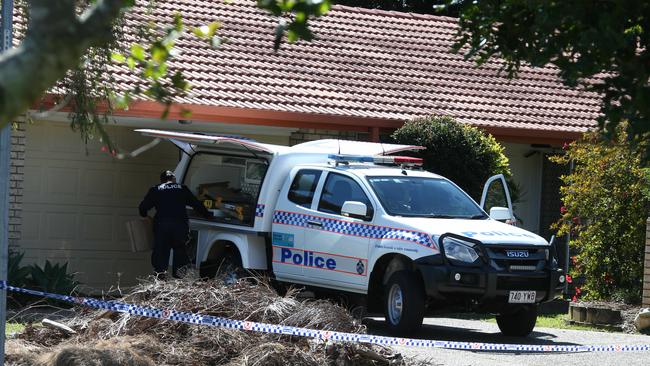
[535,260]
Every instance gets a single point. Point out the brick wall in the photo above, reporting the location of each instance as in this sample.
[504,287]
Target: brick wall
[16,182]
[646,271]
[305,134]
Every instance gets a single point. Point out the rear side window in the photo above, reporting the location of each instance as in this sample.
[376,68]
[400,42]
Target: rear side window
[303,187]
[338,189]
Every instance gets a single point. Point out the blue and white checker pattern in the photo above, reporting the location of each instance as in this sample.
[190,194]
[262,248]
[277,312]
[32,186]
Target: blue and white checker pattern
[208,320]
[259,210]
[353,228]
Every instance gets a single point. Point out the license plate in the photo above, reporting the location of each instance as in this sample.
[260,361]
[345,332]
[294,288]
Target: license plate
[522,297]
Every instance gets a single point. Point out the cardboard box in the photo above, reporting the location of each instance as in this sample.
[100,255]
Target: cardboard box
[140,233]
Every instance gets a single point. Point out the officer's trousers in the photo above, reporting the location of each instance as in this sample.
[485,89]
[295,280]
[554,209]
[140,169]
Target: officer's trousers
[170,235]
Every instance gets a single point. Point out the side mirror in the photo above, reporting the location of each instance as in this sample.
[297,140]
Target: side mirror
[355,209]
[500,213]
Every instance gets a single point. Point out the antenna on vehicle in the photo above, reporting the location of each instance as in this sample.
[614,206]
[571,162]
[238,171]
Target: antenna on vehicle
[338,141]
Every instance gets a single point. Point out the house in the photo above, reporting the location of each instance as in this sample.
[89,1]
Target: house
[367,73]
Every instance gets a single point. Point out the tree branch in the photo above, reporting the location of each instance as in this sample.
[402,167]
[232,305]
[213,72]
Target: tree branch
[55,42]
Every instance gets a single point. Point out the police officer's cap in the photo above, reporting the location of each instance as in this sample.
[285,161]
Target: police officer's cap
[166,176]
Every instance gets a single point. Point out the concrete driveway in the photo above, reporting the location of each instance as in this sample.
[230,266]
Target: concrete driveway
[481,331]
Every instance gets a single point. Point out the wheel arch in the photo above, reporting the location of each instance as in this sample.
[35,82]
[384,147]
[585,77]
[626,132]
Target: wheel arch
[383,268]
[250,248]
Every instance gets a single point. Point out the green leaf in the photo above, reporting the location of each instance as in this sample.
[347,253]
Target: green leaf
[118,57]
[130,62]
[137,52]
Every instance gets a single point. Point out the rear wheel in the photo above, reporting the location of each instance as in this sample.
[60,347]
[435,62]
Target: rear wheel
[518,321]
[404,303]
[228,264]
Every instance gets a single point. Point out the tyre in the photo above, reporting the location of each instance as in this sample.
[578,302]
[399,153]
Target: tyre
[518,321]
[404,301]
[229,265]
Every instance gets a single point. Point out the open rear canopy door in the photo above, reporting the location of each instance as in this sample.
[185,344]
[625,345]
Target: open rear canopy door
[184,139]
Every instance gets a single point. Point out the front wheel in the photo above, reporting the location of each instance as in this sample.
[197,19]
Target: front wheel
[518,321]
[404,303]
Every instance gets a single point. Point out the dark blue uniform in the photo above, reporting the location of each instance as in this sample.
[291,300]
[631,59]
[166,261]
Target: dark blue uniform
[170,223]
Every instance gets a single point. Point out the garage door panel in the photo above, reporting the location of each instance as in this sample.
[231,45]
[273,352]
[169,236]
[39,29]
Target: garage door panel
[99,183]
[31,225]
[97,228]
[60,139]
[135,184]
[61,226]
[62,183]
[34,186]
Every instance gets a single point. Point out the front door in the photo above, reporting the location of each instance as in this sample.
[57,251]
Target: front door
[337,246]
[496,194]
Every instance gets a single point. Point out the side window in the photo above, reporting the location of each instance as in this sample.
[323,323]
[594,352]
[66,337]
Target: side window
[303,187]
[338,189]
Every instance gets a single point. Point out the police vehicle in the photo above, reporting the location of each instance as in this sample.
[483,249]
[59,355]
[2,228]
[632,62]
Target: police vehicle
[348,216]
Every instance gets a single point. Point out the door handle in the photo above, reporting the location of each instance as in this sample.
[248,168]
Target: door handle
[315,223]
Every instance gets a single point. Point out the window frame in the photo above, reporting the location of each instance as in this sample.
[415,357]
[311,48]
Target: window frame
[371,208]
[314,186]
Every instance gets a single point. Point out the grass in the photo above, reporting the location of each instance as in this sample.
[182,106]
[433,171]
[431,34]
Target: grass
[557,321]
[14,328]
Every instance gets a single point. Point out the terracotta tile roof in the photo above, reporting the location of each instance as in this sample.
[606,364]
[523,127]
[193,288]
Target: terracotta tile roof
[365,64]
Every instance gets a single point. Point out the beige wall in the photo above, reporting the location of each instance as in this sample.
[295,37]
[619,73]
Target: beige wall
[526,167]
[76,200]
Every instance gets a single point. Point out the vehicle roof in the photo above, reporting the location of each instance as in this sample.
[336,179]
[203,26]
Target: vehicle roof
[374,170]
[331,146]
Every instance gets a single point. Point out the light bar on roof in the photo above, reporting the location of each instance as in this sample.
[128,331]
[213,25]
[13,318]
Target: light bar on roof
[389,160]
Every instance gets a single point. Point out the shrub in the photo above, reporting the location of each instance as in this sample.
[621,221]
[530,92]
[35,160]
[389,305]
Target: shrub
[51,278]
[605,209]
[456,151]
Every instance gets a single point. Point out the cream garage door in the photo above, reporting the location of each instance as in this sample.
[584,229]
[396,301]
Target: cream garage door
[76,200]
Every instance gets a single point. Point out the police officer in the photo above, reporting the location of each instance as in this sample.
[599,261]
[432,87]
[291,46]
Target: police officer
[171,227]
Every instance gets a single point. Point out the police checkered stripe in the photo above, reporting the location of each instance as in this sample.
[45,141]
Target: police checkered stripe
[259,210]
[352,228]
[325,335]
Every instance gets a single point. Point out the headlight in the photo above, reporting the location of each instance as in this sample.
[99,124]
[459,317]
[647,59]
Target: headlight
[459,250]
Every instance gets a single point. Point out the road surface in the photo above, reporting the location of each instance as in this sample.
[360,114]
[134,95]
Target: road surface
[487,332]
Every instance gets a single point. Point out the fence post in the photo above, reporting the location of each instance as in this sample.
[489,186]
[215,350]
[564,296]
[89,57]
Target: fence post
[646,267]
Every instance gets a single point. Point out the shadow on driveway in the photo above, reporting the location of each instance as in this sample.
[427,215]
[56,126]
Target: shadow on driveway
[470,331]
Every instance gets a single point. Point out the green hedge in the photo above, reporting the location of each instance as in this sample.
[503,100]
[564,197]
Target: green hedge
[456,151]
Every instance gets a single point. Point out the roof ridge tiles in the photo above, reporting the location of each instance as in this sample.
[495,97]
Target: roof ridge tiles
[392,13]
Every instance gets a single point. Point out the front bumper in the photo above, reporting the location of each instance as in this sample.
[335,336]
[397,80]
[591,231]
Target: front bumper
[486,284]
[493,276]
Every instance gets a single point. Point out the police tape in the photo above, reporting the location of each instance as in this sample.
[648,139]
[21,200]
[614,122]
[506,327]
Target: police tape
[324,335]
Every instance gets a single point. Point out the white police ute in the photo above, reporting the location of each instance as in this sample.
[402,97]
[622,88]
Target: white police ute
[347,216]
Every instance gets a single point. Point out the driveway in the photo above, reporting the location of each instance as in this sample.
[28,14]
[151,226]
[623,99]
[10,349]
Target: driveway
[481,331]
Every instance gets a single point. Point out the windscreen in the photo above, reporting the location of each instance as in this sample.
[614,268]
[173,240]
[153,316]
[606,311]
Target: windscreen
[424,197]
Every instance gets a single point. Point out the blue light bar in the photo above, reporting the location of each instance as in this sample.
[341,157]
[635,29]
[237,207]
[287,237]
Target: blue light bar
[351,158]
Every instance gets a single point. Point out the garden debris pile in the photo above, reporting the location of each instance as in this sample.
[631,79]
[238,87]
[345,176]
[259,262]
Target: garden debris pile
[108,338]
